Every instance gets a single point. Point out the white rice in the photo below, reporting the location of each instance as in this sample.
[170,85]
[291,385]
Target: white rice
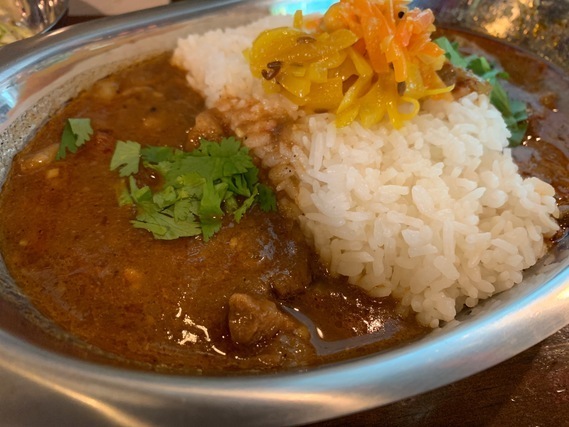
[225,74]
[434,214]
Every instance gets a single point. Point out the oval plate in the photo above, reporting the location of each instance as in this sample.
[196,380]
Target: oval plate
[36,76]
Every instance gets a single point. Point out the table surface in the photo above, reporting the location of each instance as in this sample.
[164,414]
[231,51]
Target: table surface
[531,389]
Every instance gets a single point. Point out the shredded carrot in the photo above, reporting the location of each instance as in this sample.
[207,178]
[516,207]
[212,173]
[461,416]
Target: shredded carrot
[363,60]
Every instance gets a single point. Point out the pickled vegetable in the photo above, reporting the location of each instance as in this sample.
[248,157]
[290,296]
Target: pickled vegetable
[362,60]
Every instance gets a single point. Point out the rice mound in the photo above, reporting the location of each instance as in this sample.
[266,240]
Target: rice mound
[434,214]
[225,74]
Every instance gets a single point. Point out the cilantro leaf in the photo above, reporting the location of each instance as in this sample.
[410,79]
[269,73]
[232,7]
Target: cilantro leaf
[211,200]
[156,154]
[167,197]
[209,227]
[513,111]
[75,133]
[238,184]
[199,187]
[480,66]
[139,195]
[239,212]
[162,225]
[183,210]
[126,157]
[451,52]
[267,199]
[124,195]
[231,203]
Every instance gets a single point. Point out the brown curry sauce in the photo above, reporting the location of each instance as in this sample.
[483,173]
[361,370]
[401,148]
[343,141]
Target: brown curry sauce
[164,305]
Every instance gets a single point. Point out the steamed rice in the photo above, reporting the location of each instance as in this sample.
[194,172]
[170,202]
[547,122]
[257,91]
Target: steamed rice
[434,214]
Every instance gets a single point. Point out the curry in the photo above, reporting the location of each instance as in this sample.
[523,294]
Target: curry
[248,300]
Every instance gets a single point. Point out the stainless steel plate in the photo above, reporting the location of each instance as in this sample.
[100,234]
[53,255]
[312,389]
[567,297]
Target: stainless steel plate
[40,386]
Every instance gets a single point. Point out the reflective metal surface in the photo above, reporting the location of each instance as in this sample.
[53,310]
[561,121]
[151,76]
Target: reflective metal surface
[40,384]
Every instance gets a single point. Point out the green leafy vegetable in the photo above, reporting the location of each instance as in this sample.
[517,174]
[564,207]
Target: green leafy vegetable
[451,52]
[126,157]
[267,199]
[75,133]
[199,187]
[513,111]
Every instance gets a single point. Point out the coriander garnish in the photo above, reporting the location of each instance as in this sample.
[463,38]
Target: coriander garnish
[75,134]
[199,187]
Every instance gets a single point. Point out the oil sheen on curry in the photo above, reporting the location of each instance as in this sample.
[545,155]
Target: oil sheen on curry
[251,298]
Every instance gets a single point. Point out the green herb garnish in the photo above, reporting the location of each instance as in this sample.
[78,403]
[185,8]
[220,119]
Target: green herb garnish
[513,111]
[199,187]
[75,133]
[126,157]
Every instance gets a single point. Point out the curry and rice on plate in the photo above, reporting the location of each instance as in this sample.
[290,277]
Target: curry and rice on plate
[336,176]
